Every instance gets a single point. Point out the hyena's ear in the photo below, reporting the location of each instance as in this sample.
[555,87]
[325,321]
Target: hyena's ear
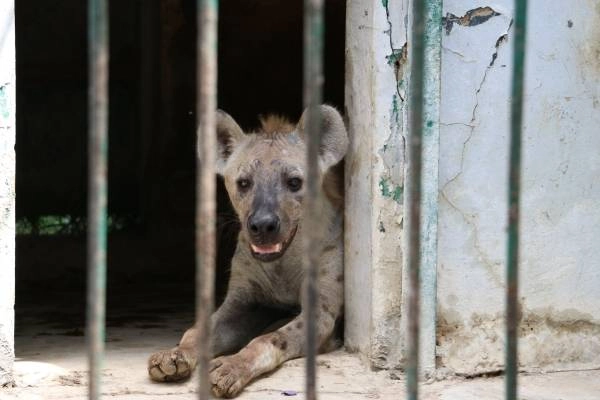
[229,135]
[334,139]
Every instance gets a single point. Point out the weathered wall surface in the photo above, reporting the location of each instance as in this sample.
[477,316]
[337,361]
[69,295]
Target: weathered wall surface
[375,109]
[7,189]
[560,275]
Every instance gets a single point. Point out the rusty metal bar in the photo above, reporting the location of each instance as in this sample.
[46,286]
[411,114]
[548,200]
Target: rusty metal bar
[416,123]
[206,206]
[514,187]
[97,189]
[313,96]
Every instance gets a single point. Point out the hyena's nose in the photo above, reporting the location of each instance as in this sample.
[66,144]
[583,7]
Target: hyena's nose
[264,226]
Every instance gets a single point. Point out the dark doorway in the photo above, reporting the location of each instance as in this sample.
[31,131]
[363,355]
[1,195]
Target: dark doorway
[152,137]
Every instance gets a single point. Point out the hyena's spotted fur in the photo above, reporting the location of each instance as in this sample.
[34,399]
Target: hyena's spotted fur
[264,175]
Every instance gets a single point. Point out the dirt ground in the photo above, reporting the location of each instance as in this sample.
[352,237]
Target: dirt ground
[51,362]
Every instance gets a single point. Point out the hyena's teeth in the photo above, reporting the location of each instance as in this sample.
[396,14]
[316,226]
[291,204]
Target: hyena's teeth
[275,248]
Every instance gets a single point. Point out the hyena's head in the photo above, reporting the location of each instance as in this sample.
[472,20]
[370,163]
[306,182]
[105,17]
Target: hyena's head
[264,175]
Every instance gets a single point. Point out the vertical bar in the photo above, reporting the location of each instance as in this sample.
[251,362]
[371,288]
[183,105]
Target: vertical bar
[313,94]
[414,199]
[97,189]
[429,199]
[514,187]
[206,105]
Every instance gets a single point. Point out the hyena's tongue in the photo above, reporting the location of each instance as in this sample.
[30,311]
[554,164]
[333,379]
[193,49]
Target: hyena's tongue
[275,248]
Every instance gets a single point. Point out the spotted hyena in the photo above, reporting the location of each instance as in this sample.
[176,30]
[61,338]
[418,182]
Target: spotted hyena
[260,324]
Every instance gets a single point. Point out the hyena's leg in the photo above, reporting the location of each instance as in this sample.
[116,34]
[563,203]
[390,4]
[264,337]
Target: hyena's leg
[229,374]
[234,324]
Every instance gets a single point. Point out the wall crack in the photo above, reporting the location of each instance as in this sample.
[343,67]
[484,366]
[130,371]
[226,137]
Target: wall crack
[391,183]
[472,125]
[458,54]
[398,57]
[487,261]
[473,122]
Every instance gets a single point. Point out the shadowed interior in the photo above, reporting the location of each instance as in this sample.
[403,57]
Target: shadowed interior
[152,140]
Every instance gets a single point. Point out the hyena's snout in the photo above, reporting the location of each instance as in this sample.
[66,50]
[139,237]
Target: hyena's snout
[269,236]
[264,227]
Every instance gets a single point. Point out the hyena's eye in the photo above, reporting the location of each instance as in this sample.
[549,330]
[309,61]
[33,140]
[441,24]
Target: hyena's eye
[294,184]
[243,184]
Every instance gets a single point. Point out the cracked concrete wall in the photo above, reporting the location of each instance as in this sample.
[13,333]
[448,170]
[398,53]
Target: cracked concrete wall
[560,275]
[375,108]
[7,189]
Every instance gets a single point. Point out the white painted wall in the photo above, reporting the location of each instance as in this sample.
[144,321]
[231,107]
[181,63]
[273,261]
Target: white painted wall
[560,276]
[7,189]
[375,108]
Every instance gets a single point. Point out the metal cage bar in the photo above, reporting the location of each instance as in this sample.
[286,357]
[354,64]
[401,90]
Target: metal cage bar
[97,189]
[514,188]
[206,197]
[415,135]
[313,95]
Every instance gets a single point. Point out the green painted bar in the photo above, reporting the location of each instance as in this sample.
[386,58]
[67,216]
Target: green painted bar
[429,194]
[97,189]
[415,134]
[514,187]
[313,96]
[206,195]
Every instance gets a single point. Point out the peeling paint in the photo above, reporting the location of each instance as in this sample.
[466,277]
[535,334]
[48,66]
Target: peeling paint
[474,17]
[502,39]
[391,190]
[391,183]
[398,58]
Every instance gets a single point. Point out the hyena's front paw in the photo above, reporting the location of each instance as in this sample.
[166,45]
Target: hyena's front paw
[229,375]
[171,365]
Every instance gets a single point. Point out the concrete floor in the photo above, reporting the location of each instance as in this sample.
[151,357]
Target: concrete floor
[59,374]
[51,362]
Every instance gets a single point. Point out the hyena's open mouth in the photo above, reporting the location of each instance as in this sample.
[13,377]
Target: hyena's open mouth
[271,252]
